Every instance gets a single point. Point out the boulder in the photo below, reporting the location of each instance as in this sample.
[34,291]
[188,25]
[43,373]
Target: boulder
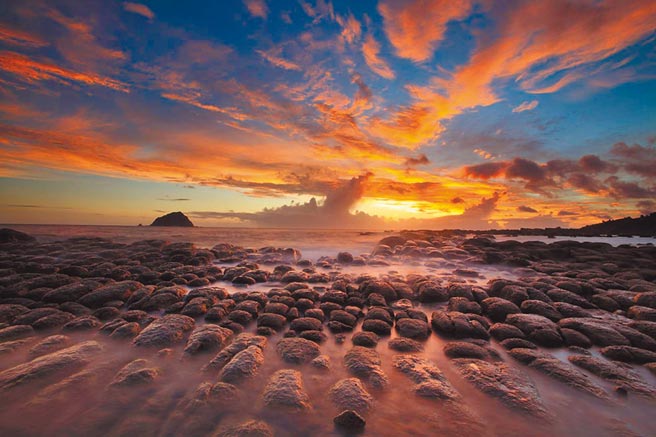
[285,391]
[165,332]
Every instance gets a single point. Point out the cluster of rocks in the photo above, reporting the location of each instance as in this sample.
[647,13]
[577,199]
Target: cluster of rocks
[159,296]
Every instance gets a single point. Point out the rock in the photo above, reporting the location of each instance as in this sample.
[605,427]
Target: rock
[272,320]
[71,292]
[321,362]
[82,323]
[53,320]
[344,258]
[343,317]
[306,324]
[503,331]
[497,309]
[637,312]
[107,293]
[350,394]
[9,312]
[464,305]
[366,339]
[57,363]
[430,292]
[48,345]
[499,380]
[365,363]
[537,328]
[253,428]
[429,380]
[297,350]
[512,343]
[240,343]
[126,330]
[134,373]
[462,349]
[379,327]
[285,390]
[244,364]
[598,331]
[402,344]
[350,421]
[411,328]
[458,325]
[614,373]
[628,354]
[15,332]
[206,339]
[542,308]
[556,369]
[173,219]
[575,338]
[165,332]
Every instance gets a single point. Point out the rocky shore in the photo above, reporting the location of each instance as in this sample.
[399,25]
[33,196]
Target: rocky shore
[425,334]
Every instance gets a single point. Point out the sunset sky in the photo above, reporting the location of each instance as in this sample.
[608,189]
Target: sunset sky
[353,114]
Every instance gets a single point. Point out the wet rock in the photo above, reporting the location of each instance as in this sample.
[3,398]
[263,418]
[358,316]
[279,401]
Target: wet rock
[9,312]
[558,295]
[15,332]
[537,328]
[53,320]
[628,354]
[272,320]
[349,420]
[458,325]
[306,324]
[614,373]
[575,338]
[411,328]
[82,323]
[134,373]
[429,292]
[241,342]
[117,291]
[350,394]
[497,309]
[343,317]
[252,428]
[57,363]
[513,293]
[644,326]
[379,327]
[402,344]
[556,369]
[165,332]
[365,363]
[48,345]
[637,312]
[503,331]
[429,380]
[499,380]
[321,362]
[106,313]
[297,350]
[126,331]
[512,343]
[11,346]
[285,390]
[568,310]
[244,364]
[464,305]
[542,308]
[381,287]
[462,349]
[366,339]
[598,331]
[207,339]
[71,292]
[315,336]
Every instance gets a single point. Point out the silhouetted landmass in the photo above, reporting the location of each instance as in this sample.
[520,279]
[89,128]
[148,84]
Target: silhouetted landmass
[11,236]
[173,219]
[643,225]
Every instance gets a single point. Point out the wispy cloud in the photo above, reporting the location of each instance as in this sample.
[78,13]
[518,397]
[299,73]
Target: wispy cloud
[526,106]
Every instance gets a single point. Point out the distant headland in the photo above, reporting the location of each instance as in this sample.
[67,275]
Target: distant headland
[173,219]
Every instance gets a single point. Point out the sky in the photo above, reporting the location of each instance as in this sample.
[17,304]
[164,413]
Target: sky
[335,114]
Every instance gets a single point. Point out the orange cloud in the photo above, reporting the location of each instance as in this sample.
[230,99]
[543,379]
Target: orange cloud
[257,8]
[139,9]
[416,27]
[20,38]
[371,53]
[30,70]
